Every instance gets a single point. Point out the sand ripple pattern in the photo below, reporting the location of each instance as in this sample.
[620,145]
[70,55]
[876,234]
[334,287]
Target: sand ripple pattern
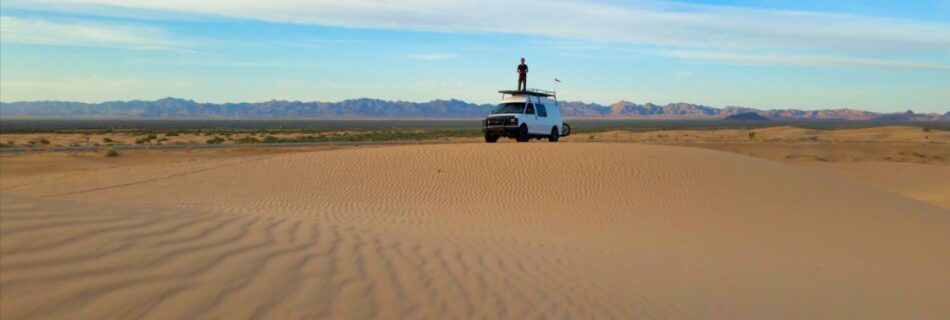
[470,231]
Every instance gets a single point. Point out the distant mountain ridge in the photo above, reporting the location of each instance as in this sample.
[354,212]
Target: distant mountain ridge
[175,108]
[748,116]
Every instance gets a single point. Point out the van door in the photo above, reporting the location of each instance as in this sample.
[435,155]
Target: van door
[554,116]
[531,119]
[544,122]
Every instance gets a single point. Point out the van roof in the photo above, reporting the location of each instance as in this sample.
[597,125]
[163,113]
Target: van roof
[529,92]
[526,98]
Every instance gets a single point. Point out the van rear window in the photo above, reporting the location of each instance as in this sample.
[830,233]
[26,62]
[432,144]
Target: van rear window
[542,111]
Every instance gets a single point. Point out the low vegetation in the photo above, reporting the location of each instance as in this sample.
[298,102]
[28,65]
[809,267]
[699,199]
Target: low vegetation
[394,135]
[147,139]
[248,139]
[152,132]
[215,140]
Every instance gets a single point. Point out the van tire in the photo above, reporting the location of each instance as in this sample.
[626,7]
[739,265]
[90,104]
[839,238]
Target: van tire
[554,137]
[523,134]
[491,138]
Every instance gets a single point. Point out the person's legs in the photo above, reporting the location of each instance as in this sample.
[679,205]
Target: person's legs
[522,83]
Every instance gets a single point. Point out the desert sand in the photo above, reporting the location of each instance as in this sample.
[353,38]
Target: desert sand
[538,230]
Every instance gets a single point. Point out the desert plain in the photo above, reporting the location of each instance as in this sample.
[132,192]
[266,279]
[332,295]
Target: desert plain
[686,224]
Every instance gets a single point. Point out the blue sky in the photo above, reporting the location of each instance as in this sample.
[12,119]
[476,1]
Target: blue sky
[873,55]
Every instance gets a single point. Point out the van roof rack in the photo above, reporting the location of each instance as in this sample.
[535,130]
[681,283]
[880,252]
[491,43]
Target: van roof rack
[530,92]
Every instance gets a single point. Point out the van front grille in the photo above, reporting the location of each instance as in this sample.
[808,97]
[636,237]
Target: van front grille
[497,121]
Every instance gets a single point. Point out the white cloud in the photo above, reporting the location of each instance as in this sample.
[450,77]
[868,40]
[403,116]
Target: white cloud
[431,56]
[81,33]
[643,22]
[800,60]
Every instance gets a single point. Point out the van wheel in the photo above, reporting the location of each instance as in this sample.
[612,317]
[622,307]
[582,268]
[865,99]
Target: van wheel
[554,137]
[491,138]
[522,134]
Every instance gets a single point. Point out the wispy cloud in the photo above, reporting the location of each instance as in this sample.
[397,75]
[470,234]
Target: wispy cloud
[82,33]
[316,43]
[431,56]
[228,63]
[801,60]
[646,22]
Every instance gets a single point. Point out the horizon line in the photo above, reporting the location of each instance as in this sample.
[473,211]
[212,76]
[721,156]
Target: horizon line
[464,101]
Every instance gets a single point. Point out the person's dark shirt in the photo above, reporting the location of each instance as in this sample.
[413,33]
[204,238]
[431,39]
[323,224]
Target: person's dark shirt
[522,68]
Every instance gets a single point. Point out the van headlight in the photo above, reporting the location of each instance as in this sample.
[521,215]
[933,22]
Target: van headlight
[513,121]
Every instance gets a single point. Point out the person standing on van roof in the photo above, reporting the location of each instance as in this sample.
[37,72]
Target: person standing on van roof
[522,76]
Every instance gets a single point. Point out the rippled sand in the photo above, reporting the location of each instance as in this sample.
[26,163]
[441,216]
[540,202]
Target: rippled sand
[469,230]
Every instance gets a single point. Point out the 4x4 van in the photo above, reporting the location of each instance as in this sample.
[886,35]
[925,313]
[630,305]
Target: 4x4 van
[523,115]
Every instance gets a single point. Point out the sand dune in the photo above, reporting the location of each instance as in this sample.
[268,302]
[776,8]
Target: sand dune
[469,230]
[927,183]
[781,134]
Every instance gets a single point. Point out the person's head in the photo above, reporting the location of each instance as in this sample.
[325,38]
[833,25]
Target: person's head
[522,60]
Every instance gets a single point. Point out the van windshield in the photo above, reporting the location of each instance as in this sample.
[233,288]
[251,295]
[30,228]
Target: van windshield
[511,107]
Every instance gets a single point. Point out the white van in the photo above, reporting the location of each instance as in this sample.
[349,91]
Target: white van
[523,115]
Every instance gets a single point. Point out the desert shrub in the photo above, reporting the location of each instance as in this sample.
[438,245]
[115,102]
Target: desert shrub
[112,153]
[926,129]
[751,135]
[271,139]
[146,139]
[43,141]
[107,140]
[215,140]
[171,134]
[248,140]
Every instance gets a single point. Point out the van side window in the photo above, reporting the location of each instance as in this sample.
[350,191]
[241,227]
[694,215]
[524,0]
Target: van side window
[542,112]
[530,109]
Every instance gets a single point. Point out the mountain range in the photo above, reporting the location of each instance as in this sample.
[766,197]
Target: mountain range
[175,108]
